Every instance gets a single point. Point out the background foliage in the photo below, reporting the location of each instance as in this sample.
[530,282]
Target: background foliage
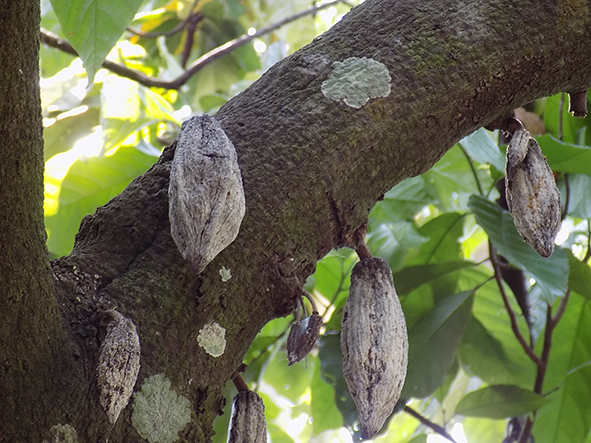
[467,370]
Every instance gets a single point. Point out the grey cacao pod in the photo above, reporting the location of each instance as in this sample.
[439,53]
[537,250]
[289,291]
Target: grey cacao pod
[374,343]
[302,337]
[119,365]
[532,195]
[206,197]
[248,419]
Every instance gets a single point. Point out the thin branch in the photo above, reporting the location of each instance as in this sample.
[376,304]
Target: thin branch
[56,42]
[588,253]
[561,308]
[439,429]
[363,251]
[240,383]
[566,198]
[539,383]
[528,350]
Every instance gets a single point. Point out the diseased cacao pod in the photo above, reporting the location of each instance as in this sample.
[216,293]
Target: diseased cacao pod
[248,419]
[302,337]
[206,198]
[374,343]
[532,195]
[118,366]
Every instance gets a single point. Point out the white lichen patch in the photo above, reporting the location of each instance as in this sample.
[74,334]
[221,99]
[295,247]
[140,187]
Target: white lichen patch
[225,273]
[356,80]
[62,434]
[212,338]
[159,413]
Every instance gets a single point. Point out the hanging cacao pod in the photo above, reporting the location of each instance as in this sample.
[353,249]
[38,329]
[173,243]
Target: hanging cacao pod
[248,419]
[374,343]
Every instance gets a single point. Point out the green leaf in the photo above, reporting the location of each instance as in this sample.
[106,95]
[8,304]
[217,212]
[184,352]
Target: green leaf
[443,245]
[411,277]
[67,130]
[482,149]
[433,342]
[483,430]
[565,157]
[500,401]
[403,201]
[331,361]
[94,26]
[579,203]
[567,125]
[568,418]
[451,180]
[489,349]
[325,413]
[579,276]
[89,183]
[550,273]
[290,382]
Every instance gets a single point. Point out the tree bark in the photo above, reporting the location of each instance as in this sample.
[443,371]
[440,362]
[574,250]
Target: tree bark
[312,167]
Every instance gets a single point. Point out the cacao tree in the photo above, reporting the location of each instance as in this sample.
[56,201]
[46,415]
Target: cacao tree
[352,125]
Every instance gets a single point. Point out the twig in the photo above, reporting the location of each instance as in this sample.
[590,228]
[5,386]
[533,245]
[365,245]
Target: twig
[190,38]
[539,383]
[363,251]
[439,429]
[528,350]
[566,198]
[56,42]
[561,308]
[311,300]
[240,383]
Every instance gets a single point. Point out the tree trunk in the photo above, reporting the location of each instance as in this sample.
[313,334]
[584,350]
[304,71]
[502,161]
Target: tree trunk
[313,166]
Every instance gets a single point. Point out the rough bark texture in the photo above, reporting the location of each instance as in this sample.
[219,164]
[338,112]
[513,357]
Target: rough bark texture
[312,169]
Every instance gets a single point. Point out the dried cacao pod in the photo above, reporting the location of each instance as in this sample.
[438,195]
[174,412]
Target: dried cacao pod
[206,198]
[118,366]
[302,337]
[532,195]
[374,343]
[248,419]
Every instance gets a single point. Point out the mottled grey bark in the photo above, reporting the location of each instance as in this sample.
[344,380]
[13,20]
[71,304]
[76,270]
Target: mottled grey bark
[312,168]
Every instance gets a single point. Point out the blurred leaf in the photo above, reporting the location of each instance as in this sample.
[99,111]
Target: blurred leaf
[433,342]
[452,180]
[579,204]
[500,401]
[278,435]
[550,273]
[411,277]
[565,157]
[325,413]
[443,233]
[481,430]
[67,130]
[482,149]
[443,390]
[553,120]
[290,382]
[394,241]
[579,276]
[419,439]
[403,201]
[94,26]
[88,184]
[489,310]
[331,361]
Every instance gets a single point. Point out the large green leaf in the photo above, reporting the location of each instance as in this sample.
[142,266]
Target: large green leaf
[452,180]
[550,273]
[568,418]
[403,201]
[566,157]
[482,149]
[489,349]
[443,246]
[579,204]
[500,401]
[89,183]
[94,26]
[325,413]
[433,342]
[579,276]
[331,361]
[566,124]
[411,277]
